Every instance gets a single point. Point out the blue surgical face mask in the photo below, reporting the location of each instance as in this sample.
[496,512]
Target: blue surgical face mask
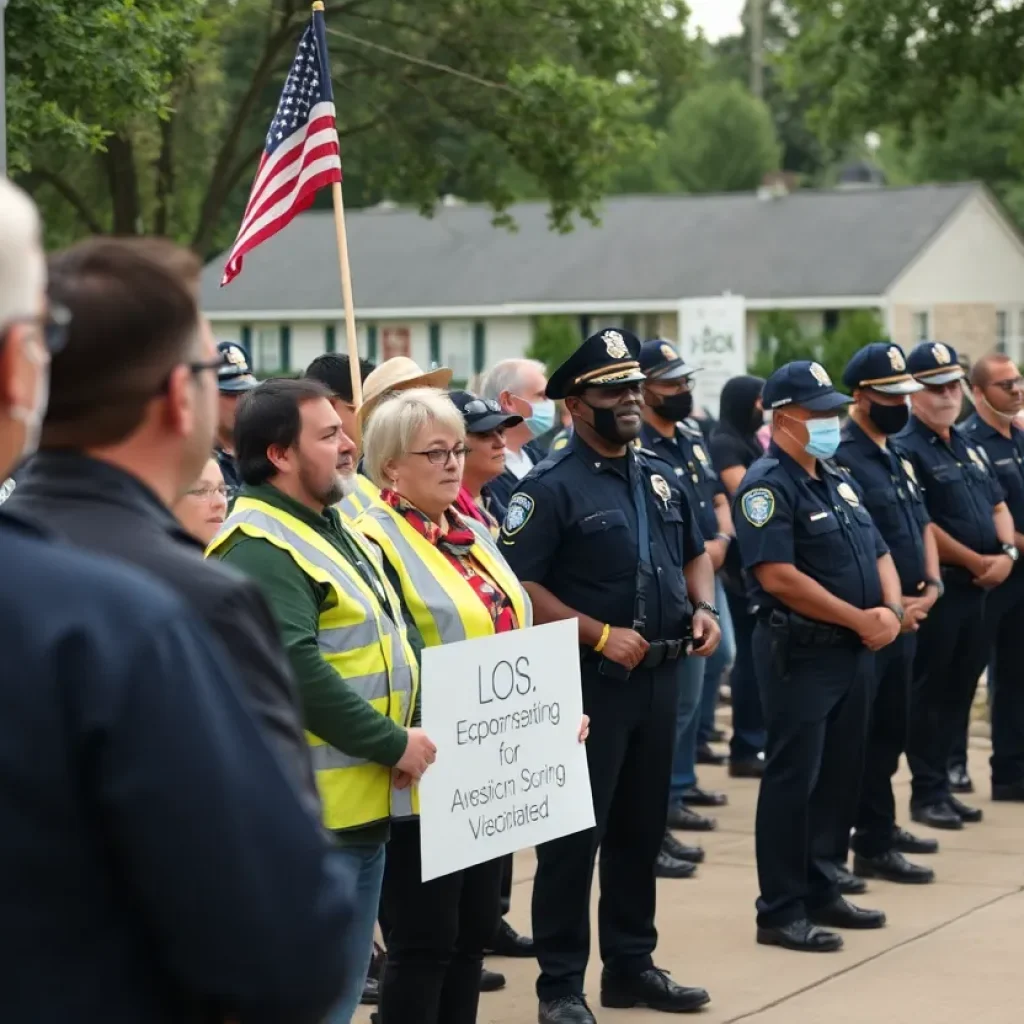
[543,418]
[822,437]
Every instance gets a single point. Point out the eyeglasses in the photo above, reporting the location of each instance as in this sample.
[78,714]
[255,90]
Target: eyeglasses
[482,405]
[208,493]
[440,456]
[54,323]
[1009,386]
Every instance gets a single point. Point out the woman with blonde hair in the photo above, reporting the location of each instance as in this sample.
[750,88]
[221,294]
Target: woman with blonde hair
[456,586]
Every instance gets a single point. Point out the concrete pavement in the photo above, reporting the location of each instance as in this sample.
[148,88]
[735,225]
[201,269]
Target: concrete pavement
[951,951]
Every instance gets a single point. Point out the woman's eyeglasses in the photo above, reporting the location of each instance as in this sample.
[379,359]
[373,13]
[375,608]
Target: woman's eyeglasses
[440,456]
[209,493]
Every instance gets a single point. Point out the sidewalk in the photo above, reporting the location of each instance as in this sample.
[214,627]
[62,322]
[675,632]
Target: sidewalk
[951,951]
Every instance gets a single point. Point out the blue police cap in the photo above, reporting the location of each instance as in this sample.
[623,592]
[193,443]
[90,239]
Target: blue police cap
[660,361]
[802,383]
[881,366]
[234,375]
[932,362]
[608,359]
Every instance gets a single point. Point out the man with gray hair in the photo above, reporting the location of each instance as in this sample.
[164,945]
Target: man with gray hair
[138,786]
[517,385]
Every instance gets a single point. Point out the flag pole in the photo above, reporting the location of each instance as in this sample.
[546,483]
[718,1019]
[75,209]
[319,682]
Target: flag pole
[346,281]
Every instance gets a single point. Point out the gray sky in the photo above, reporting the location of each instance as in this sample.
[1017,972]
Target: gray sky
[717,17]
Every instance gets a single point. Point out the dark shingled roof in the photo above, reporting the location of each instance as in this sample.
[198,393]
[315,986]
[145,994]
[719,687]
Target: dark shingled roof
[805,245]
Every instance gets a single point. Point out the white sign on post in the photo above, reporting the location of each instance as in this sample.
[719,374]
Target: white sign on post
[713,336]
[510,773]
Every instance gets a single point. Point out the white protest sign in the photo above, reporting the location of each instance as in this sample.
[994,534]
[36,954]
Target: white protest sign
[510,772]
[713,336]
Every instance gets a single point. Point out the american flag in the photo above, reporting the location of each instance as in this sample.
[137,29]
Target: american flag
[302,154]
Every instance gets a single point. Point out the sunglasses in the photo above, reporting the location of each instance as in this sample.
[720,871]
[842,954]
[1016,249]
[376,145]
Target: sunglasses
[480,406]
[1009,386]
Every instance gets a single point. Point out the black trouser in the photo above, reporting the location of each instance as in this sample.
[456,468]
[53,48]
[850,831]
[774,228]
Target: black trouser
[952,647]
[887,736]
[629,753]
[747,718]
[816,702]
[436,935]
[506,884]
[1004,617]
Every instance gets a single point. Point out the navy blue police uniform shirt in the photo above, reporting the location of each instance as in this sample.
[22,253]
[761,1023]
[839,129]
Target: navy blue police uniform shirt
[229,470]
[892,498]
[686,454]
[782,514]
[572,528]
[960,489]
[1006,457]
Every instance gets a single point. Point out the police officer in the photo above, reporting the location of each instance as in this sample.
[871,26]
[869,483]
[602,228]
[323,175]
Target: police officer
[826,595]
[998,396]
[601,533]
[670,434]
[974,533]
[234,379]
[878,379]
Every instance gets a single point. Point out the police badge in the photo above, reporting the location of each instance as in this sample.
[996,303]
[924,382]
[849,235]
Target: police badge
[615,345]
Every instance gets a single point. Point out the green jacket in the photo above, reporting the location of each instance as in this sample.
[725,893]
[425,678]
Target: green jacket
[332,709]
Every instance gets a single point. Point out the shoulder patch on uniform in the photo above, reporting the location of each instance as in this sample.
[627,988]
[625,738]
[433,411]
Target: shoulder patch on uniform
[559,444]
[7,489]
[520,508]
[758,505]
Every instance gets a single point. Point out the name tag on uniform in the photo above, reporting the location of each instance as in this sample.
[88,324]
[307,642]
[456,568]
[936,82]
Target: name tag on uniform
[819,515]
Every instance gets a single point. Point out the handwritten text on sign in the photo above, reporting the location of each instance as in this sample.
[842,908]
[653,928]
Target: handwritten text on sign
[510,773]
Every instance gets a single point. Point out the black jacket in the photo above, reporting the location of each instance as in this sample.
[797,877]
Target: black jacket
[155,864]
[501,489]
[99,507]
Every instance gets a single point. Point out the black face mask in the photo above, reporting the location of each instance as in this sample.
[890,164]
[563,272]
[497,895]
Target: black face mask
[606,426]
[890,419]
[675,407]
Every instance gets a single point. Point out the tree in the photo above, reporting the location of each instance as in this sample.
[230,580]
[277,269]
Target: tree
[555,338]
[720,139]
[482,94]
[869,63]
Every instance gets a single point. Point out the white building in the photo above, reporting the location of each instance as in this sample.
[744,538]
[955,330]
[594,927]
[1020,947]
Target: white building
[936,262]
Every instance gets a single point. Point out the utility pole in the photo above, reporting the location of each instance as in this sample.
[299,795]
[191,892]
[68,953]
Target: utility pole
[755,9]
[3,91]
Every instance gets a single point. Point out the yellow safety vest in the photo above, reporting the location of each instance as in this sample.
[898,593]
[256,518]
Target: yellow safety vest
[443,605]
[367,493]
[364,643]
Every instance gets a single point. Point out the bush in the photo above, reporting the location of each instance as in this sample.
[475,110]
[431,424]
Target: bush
[782,342]
[555,338]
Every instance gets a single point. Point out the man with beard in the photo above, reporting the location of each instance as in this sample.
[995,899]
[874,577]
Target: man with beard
[673,437]
[975,538]
[998,397]
[342,625]
[878,379]
[601,533]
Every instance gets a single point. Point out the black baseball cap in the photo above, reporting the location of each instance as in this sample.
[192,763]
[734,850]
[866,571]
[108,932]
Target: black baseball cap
[804,383]
[482,415]
[660,361]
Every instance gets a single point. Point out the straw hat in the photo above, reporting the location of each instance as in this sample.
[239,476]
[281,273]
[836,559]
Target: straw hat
[398,374]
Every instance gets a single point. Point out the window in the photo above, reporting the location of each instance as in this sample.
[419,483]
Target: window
[1002,330]
[922,327]
[267,349]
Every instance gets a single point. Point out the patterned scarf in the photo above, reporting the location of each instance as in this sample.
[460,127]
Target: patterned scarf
[455,545]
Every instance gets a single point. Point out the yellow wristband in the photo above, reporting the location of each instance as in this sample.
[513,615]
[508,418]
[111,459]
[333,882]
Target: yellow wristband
[605,633]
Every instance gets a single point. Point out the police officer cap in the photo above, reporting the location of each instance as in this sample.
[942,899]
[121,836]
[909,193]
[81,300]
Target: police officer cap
[608,359]
[931,362]
[881,366]
[660,361]
[482,415]
[802,383]
[234,375]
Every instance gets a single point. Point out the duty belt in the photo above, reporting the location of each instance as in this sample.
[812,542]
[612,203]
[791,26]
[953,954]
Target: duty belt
[807,632]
